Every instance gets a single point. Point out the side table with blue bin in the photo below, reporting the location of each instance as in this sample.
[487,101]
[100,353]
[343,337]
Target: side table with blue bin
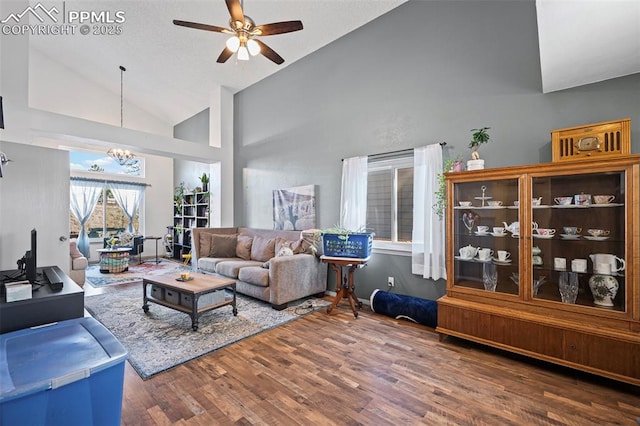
[350,251]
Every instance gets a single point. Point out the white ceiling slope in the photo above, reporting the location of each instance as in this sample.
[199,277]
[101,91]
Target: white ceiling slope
[586,41]
[171,70]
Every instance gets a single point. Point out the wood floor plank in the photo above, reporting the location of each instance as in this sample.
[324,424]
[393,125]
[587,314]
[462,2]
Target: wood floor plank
[374,370]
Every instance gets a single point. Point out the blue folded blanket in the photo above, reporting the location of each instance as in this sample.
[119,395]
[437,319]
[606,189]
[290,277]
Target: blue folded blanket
[421,311]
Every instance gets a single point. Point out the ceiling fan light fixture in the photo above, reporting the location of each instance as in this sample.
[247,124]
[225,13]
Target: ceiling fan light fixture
[233,43]
[243,53]
[254,47]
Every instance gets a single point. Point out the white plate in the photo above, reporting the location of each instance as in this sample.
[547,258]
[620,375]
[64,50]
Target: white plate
[544,237]
[492,207]
[543,206]
[481,234]
[483,198]
[570,236]
[498,235]
[568,206]
[501,262]
[463,258]
[590,238]
[515,235]
[607,205]
[513,207]
[482,261]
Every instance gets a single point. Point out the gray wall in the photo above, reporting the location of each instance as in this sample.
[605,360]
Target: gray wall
[423,73]
[194,129]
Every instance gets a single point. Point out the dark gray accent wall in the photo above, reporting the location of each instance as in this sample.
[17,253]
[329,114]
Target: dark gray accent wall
[428,71]
[194,129]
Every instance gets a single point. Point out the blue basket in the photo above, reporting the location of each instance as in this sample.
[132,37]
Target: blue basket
[347,245]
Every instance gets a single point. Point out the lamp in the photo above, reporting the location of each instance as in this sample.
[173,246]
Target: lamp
[253,46]
[243,53]
[124,157]
[233,44]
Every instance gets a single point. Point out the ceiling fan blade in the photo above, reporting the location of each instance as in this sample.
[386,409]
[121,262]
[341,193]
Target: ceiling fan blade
[235,10]
[270,53]
[279,27]
[206,27]
[226,54]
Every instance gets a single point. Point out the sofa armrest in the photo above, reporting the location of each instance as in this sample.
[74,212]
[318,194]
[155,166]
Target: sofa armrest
[79,263]
[295,277]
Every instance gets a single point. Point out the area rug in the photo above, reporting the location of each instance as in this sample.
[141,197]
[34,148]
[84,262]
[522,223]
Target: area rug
[163,338]
[135,272]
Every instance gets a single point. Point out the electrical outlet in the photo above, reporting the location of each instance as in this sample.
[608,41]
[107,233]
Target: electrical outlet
[391,282]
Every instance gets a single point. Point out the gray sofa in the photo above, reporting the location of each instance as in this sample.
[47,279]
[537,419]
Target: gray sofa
[250,256]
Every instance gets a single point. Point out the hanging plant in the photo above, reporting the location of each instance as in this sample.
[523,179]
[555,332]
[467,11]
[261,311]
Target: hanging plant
[451,165]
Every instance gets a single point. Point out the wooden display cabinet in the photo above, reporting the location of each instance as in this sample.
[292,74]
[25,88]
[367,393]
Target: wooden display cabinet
[534,303]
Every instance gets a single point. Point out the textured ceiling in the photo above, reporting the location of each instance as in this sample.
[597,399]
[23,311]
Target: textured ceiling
[171,70]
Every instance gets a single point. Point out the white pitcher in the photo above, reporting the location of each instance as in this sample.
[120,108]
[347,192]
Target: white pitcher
[611,259]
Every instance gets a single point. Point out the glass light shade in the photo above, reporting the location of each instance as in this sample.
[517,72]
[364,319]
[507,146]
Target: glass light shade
[243,53]
[254,47]
[233,43]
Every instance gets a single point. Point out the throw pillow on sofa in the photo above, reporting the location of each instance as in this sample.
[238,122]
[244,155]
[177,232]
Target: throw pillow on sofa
[243,247]
[295,246]
[263,249]
[223,245]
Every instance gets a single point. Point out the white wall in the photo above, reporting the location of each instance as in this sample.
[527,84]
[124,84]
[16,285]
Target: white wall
[56,88]
[34,193]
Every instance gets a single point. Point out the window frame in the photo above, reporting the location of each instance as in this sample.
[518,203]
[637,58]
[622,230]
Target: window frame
[394,247]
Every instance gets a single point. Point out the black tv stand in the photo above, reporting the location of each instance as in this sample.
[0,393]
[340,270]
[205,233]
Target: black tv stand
[44,307]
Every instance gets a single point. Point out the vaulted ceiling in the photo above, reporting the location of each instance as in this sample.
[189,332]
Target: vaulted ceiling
[171,70]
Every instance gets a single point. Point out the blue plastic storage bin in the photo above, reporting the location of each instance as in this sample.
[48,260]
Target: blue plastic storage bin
[357,245]
[69,373]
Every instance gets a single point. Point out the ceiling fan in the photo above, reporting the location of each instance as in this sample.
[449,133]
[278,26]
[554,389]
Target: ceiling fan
[244,32]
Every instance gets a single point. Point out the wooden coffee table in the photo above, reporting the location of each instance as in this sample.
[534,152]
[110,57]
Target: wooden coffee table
[200,285]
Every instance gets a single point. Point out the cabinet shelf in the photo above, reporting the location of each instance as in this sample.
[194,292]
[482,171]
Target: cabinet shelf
[484,304]
[194,213]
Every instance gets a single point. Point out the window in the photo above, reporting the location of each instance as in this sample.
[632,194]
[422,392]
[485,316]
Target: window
[390,199]
[107,218]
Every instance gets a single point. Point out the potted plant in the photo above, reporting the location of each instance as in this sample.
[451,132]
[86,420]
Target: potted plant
[478,137]
[450,165]
[205,182]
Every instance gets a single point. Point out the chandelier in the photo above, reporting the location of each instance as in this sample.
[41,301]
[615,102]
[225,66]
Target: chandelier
[124,157]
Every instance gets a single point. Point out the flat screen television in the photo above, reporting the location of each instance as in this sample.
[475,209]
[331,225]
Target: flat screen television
[30,263]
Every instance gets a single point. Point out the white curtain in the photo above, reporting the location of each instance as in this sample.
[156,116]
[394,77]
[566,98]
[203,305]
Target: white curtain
[353,196]
[84,197]
[428,240]
[128,197]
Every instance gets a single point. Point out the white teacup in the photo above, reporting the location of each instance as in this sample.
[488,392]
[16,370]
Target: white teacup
[482,229]
[603,199]
[563,201]
[503,255]
[537,260]
[464,203]
[545,231]
[498,230]
[582,199]
[485,254]
[494,203]
[598,232]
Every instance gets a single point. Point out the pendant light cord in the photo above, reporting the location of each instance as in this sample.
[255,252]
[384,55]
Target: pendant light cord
[122,70]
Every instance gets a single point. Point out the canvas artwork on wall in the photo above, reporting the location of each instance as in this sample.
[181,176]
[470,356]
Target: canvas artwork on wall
[294,208]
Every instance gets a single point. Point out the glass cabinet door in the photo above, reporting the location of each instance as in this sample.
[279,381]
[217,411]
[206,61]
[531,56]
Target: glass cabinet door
[485,227]
[578,246]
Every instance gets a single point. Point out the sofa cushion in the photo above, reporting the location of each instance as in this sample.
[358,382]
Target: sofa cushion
[243,247]
[208,264]
[204,245]
[231,268]
[263,249]
[223,245]
[255,275]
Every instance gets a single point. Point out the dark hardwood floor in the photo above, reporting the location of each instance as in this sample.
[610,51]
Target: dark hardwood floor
[336,370]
